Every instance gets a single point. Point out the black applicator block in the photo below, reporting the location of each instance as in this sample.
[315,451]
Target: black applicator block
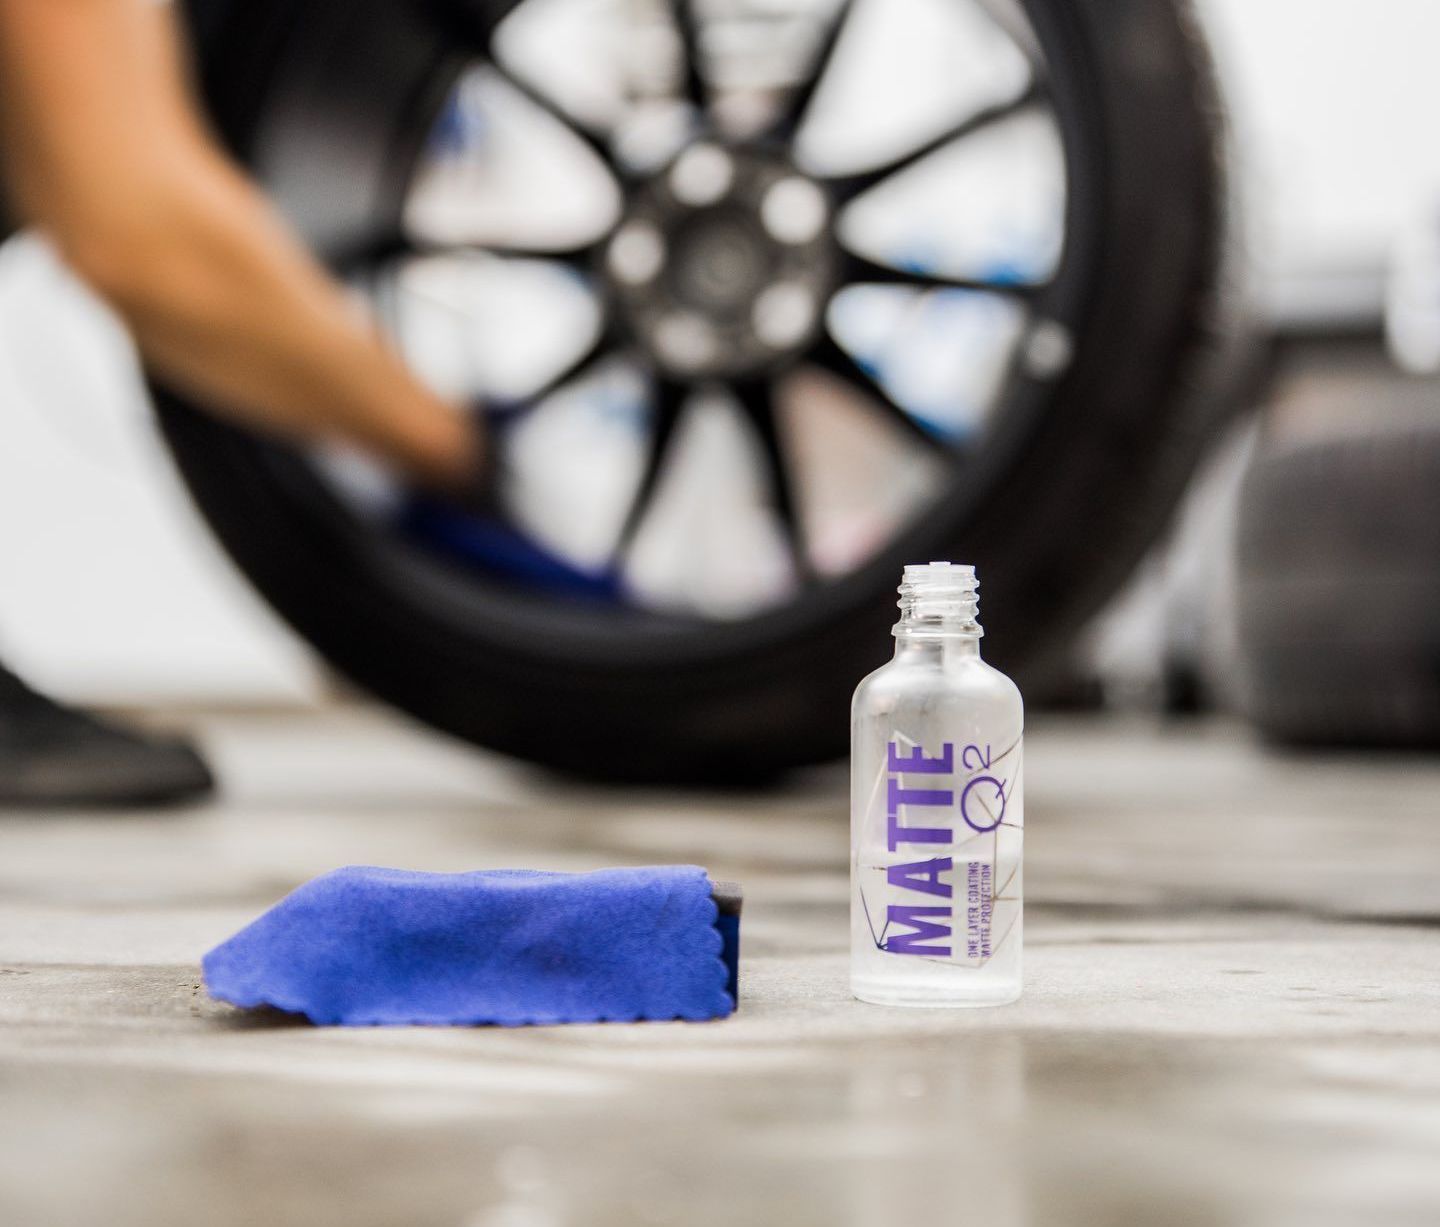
[728,899]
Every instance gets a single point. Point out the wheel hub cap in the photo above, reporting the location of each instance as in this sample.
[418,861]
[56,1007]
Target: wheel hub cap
[723,263]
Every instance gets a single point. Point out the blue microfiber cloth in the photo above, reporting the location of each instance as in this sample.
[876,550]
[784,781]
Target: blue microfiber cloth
[364,946]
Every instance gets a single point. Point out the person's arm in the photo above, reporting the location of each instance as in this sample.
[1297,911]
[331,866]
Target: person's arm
[103,149]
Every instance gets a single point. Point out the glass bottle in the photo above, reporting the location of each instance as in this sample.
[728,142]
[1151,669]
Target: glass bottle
[937,813]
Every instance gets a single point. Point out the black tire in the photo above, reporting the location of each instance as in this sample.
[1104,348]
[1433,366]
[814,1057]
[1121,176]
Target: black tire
[1338,565]
[1068,509]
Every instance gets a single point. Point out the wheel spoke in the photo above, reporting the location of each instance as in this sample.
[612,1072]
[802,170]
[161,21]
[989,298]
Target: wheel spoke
[594,141]
[383,289]
[847,187]
[832,358]
[604,341]
[757,399]
[864,271]
[667,407]
[788,122]
[687,26]
[389,248]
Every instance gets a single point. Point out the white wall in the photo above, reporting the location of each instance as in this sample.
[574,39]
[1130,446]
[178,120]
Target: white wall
[110,589]
[1336,103]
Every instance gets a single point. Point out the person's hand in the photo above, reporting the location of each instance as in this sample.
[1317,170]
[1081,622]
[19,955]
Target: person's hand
[476,488]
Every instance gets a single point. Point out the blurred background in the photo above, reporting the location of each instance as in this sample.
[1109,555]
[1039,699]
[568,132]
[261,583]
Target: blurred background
[1295,581]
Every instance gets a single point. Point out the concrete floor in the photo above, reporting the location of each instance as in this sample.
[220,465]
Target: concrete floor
[1232,1010]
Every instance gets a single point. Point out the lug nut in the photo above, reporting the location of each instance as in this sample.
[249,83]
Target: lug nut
[685,340]
[794,211]
[784,313]
[701,175]
[637,253]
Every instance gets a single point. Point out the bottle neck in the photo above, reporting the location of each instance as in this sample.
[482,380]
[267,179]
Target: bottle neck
[934,647]
[939,608]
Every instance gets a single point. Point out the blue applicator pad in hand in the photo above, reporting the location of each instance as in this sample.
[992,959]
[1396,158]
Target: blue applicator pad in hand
[491,546]
[365,946]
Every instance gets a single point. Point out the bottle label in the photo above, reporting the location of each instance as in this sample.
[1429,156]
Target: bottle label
[939,870]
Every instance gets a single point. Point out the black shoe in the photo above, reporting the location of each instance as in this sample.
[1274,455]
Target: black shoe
[52,756]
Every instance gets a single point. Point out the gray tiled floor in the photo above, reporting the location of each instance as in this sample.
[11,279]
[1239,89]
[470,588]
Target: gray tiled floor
[1232,1010]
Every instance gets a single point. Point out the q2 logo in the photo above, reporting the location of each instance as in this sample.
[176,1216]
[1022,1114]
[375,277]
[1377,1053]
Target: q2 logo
[982,803]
